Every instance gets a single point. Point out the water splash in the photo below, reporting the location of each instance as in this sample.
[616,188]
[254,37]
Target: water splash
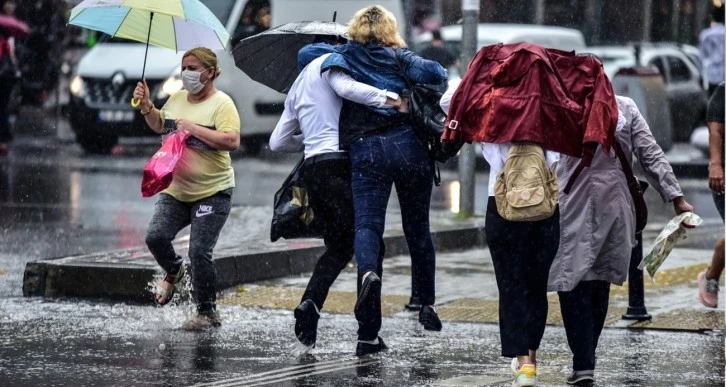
[182,289]
[298,349]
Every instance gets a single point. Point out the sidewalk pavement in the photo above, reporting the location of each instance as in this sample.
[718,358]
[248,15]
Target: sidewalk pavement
[243,254]
[466,287]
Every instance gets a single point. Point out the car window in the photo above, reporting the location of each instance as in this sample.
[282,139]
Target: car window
[658,62]
[255,18]
[679,71]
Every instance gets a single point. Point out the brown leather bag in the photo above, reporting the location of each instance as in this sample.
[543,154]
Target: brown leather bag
[636,188]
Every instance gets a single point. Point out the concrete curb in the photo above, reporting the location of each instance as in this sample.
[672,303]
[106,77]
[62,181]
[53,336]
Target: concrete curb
[76,277]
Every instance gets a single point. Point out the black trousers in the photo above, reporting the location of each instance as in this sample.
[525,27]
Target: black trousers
[522,253]
[584,309]
[327,179]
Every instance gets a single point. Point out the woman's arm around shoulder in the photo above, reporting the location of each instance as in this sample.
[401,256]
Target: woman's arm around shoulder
[421,70]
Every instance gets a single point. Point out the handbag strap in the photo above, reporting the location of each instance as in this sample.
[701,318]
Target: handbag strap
[627,169]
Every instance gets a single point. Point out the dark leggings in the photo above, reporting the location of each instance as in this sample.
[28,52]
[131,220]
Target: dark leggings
[584,309]
[206,217]
[522,253]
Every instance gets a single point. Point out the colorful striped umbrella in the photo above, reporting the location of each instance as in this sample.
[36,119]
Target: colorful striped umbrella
[176,24]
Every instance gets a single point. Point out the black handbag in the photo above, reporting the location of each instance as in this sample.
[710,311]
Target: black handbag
[637,189]
[428,118]
[292,216]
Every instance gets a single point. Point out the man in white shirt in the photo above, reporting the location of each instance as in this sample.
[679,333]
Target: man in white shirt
[310,123]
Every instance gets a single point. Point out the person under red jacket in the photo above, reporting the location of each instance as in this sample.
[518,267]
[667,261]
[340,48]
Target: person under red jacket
[525,92]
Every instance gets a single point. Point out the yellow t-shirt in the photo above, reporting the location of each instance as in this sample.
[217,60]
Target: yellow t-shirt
[200,172]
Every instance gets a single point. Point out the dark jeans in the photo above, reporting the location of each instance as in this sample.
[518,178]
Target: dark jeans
[206,217]
[379,161]
[331,198]
[584,309]
[5,135]
[522,253]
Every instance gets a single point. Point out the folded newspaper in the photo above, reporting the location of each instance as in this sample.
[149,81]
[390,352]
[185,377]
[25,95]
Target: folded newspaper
[663,245]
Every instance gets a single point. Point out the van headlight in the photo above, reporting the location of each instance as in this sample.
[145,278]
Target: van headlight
[170,86]
[77,86]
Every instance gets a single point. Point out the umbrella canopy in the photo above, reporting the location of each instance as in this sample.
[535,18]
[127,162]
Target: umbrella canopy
[270,57]
[176,24]
[12,27]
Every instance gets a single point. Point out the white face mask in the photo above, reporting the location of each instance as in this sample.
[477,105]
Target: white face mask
[192,81]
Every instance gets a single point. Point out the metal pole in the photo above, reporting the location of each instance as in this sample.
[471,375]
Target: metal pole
[647,16]
[636,296]
[437,11]
[467,156]
[675,20]
[539,12]
[593,21]
[408,7]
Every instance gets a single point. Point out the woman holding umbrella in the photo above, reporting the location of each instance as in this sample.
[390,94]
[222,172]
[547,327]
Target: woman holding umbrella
[10,27]
[384,151]
[200,194]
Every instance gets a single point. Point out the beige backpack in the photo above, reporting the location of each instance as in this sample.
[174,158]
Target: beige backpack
[526,190]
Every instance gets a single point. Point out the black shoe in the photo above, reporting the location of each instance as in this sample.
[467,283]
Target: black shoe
[363,349]
[429,319]
[369,299]
[414,304]
[584,378]
[306,323]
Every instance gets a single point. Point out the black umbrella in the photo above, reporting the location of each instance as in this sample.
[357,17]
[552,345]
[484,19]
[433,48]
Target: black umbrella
[270,57]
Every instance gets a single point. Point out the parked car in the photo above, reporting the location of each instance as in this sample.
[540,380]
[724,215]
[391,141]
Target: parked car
[492,33]
[645,86]
[684,85]
[105,77]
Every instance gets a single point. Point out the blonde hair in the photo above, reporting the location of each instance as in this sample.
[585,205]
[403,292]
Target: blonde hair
[375,24]
[207,57]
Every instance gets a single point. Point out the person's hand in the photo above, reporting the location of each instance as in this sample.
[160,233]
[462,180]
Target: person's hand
[141,93]
[715,178]
[182,124]
[403,106]
[680,205]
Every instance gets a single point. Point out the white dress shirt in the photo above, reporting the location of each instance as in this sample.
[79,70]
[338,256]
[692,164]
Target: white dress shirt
[312,109]
[494,154]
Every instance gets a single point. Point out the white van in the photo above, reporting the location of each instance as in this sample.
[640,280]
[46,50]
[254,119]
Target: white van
[105,77]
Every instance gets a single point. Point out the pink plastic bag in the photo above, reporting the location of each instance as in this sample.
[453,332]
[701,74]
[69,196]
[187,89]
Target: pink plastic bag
[159,171]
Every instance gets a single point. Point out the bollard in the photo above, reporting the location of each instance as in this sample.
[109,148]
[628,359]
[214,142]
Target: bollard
[636,296]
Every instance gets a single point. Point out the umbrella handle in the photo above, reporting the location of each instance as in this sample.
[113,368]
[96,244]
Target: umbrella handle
[136,102]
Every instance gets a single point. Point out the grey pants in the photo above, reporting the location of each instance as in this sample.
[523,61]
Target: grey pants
[206,217]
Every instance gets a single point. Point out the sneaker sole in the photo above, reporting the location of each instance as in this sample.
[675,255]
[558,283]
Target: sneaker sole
[581,381]
[705,303]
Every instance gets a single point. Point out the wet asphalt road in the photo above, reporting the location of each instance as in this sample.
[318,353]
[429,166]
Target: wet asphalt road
[96,344]
[55,202]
